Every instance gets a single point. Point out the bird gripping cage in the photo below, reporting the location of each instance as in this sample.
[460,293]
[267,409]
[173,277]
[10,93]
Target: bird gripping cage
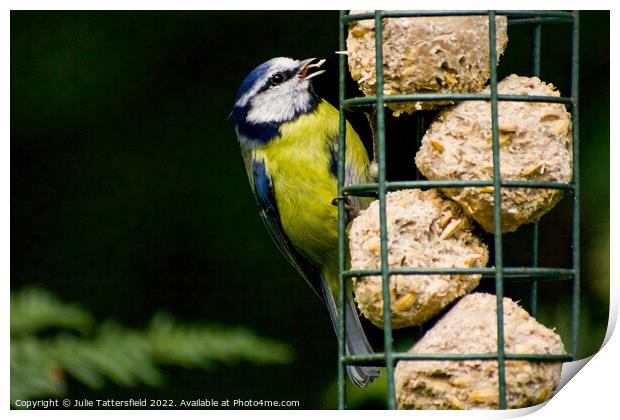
[533,273]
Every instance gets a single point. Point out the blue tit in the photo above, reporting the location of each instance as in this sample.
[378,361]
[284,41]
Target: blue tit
[289,143]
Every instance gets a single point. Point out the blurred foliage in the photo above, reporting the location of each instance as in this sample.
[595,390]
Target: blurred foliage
[51,339]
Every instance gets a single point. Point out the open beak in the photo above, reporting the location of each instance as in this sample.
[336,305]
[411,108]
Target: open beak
[305,66]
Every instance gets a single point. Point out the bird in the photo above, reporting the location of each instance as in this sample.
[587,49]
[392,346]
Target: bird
[288,138]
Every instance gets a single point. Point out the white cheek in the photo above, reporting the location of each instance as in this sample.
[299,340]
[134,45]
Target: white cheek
[302,97]
[245,98]
[281,103]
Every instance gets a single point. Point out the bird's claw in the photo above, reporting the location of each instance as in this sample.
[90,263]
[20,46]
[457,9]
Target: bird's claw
[347,201]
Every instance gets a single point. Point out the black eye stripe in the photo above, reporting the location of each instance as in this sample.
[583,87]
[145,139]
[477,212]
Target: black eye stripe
[288,74]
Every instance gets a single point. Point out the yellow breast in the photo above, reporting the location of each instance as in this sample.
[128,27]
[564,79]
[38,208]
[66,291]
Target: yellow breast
[299,166]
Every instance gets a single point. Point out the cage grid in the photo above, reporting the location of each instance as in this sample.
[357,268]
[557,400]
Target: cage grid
[532,274]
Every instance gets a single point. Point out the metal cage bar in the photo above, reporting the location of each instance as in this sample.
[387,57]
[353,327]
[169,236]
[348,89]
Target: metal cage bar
[371,100]
[562,16]
[497,216]
[576,193]
[341,221]
[380,357]
[514,272]
[532,274]
[536,45]
[370,189]
[385,275]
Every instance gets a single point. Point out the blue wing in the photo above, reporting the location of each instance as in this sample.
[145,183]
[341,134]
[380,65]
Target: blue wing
[268,209]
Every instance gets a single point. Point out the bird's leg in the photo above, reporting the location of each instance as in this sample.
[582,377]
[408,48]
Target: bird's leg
[351,211]
[373,168]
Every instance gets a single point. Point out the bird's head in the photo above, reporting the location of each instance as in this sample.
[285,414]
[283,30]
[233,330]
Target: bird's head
[275,92]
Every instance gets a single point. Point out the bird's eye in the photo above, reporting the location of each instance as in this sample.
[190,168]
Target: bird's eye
[277,78]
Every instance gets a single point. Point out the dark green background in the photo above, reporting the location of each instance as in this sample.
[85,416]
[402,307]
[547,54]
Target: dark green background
[128,194]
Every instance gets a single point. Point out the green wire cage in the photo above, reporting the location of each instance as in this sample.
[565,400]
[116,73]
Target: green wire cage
[501,274]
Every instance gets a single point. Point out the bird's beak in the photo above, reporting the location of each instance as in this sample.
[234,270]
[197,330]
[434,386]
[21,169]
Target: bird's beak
[305,65]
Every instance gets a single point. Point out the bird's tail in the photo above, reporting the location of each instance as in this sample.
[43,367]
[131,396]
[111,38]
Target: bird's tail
[356,341]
